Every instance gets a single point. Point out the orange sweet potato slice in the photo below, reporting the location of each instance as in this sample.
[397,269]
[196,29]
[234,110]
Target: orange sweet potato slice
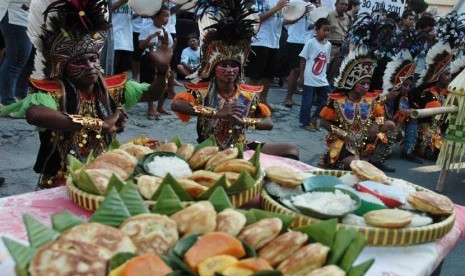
[213,244]
[147,264]
[255,264]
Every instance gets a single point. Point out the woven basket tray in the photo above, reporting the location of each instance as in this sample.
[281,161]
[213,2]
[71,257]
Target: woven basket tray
[373,235]
[91,202]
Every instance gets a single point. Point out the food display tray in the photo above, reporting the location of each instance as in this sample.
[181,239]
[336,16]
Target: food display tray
[374,235]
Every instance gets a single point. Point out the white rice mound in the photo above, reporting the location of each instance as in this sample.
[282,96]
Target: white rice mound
[329,203]
[352,219]
[279,191]
[162,165]
[419,220]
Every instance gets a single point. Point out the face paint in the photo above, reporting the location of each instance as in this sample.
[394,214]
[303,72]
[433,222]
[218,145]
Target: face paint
[220,70]
[82,68]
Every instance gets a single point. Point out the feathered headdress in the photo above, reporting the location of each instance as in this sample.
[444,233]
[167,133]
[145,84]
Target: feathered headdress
[357,65]
[63,29]
[231,26]
[401,68]
[438,60]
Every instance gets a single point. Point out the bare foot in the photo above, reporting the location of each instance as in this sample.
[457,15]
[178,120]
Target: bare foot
[153,115]
[288,103]
[163,112]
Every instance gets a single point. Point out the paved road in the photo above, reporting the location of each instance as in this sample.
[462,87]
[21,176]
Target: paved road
[19,145]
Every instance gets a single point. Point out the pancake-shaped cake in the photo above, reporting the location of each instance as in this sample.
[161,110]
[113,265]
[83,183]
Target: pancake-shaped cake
[367,171]
[431,202]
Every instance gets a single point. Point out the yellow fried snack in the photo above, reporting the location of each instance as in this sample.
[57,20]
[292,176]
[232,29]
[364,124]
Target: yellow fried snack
[200,157]
[431,202]
[366,171]
[205,178]
[167,147]
[193,188]
[214,264]
[199,218]
[305,260]
[230,221]
[222,156]
[100,164]
[138,151]
[186,151]
[261,232]
[328,270]
[148,185]
[237,166]
[282,247]
[284,176]
[388,218]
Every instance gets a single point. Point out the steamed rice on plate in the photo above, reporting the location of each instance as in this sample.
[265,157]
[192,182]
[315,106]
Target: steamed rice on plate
[330,203]
[162,165]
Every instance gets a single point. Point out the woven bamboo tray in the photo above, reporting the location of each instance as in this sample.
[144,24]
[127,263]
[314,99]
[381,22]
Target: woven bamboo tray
[373,235]
[92,202]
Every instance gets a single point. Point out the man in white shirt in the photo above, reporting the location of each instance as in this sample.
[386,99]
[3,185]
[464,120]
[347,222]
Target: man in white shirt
[190,57]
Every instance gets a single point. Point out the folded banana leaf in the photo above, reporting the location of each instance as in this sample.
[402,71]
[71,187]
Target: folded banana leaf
[177,188]
[168,202]
[219,199]
[177,141]
[65,220]
[341,242]
[114,144]
[222,182]
[254,215]
[243,183]
[112,212]
[85,183]
[255,160]
[114,182]
[323,232]
[21,254]
[352,252]
[133,200]
[210,142]
[37,233]
[361,269]
[119,259]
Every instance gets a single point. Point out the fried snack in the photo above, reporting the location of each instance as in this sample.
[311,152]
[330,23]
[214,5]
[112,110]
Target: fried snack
[102,235]
[284,176]
[151,233]
[222,156]
[167,147]
[366,171]
[237,166]
[261,232]
[255,264]
[148,185]
[124,160]
[101,177]
[305,260]
[199,218]
[200,157]
[431,202]
[138,151]
[328,270]
[237,271]
[231,177]
[216,264]
[230,221]
[193,188]
[59,259]
[282,247]
[124,153]
[388,218]
[186,151]
[100,164]
[90,250]
[205,178]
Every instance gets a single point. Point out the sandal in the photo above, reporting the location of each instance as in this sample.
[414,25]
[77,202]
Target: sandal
[308,127]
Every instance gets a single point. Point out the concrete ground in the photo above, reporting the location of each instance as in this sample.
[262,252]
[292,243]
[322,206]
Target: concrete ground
[19,144]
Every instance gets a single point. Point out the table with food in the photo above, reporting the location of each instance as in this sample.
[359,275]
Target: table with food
[150,208]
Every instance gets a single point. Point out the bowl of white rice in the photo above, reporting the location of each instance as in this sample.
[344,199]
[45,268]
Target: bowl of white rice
[326,202]
[161,163]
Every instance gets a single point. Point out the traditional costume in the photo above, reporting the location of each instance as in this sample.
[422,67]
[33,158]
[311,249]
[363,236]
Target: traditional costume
[61,31]
[354,118]
[228,39]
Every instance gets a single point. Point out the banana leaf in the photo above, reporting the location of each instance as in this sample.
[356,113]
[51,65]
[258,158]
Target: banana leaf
[168,202]
[210,142]
[222,182]
[240,147]
[86,183]
[352,252]
[65,220]
[181,247]
[177,188]
[341,243]
[243,183]
[323,232]
[219,199]
[73,163]
[114,182]
[119,259]
[255,160]
[361,269]
[186,271]
[114,144]
[177,141]
[90,157]
[21,253]
[249,251]
[112,212]
[38,233]
[257,214]
[133,200]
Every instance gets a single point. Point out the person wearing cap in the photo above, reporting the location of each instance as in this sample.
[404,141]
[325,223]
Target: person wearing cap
[76,109]
[224,107]
[354,118]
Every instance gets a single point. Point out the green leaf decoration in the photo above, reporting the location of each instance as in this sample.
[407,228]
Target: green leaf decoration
[222,182]
[38,233]
[268,273]
[22,271]
[341,243]
[168,203]
[186,271]
[240,147]
[255,160]
[114,182]
[133,200]
[21,253]
[361,269]
[177,141]
[249,251]
[119,259]
[249,215]
[261,214]
[114,145]
[181,247]
[352,252]
[86,183]
[112,212]
[210,142]
[65,220]
[243,183]
[219,199]
[73,163]
[322,232]
[174,266]
[91,157]
[177,188]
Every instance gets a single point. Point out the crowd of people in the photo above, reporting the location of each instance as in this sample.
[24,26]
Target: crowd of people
[360,75]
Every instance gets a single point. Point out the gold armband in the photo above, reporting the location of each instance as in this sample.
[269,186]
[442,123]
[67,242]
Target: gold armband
[251,122]
[338,132]
[204,111]
[88,123]
[379,121]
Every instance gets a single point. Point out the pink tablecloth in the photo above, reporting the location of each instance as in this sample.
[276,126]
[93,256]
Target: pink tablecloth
[407,260]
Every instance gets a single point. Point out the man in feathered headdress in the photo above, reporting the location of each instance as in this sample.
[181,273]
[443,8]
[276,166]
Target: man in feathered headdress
[77,110]
[223,106]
